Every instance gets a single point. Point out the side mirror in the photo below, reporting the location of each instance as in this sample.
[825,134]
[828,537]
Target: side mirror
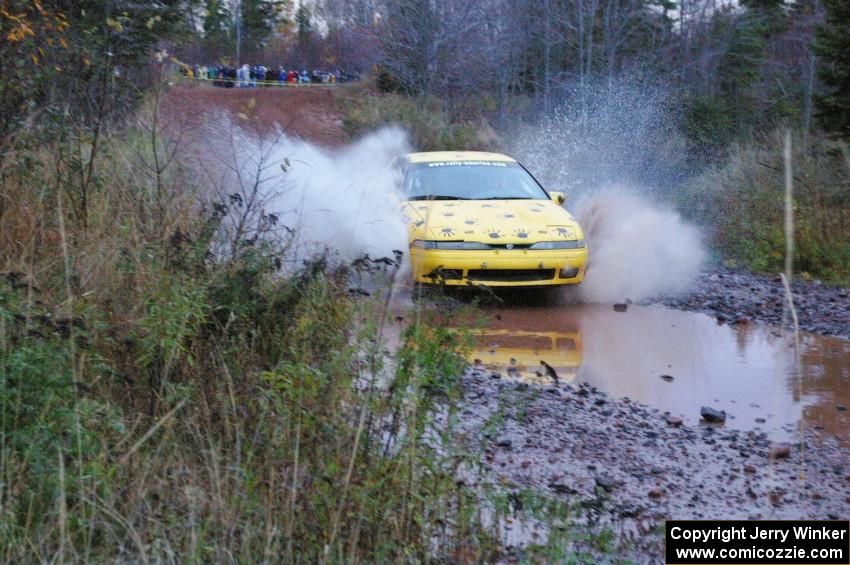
[557,197]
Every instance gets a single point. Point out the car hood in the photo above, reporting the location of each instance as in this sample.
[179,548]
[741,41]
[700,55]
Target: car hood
[489,221]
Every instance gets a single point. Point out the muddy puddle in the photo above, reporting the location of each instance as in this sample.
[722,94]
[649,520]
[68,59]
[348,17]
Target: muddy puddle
[677,361]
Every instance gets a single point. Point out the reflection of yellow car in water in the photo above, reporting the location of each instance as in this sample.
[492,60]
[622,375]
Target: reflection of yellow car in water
[481,218]
[518,354]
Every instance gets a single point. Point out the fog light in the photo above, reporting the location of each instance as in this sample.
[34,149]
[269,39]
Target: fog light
[569,273]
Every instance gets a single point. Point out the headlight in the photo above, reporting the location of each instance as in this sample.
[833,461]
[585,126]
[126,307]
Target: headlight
[575,244]
[464,245]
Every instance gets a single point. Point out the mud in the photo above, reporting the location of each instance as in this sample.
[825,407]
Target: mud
[739,296]
[677,362]
[620,463]
[619,439]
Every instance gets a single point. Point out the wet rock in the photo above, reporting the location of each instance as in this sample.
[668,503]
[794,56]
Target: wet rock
[621,307]
[567,445]
[667,378]
[781,451]
[738,296]
[562,488]
[710,414]
[606,483]
[674,421]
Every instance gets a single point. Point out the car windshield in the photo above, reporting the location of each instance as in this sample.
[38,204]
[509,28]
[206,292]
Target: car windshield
[471,180]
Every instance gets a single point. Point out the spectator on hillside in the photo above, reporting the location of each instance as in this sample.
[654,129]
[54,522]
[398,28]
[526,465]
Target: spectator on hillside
[243,76]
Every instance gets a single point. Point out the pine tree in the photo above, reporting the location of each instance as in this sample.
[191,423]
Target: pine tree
[304,23]
[740,65]
[304,28]
[832,45]
[217,23]
[259,20]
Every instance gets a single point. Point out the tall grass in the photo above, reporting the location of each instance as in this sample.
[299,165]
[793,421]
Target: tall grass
[742,202]
[163,401]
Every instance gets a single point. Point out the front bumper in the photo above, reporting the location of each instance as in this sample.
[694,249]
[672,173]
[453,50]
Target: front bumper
[501,267]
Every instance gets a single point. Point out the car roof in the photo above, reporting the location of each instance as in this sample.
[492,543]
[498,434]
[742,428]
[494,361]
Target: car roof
[436,156]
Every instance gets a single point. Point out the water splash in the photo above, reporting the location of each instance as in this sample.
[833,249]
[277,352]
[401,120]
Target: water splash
[342,201]
[616,152]
[636,250]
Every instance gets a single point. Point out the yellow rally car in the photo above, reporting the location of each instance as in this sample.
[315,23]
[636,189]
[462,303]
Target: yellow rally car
[481,218]
[518,353]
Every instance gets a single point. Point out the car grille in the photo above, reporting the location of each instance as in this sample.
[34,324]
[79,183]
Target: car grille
[511,275]
[508,246]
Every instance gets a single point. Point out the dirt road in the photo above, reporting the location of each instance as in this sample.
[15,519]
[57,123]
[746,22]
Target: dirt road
[309,112]
[613,439]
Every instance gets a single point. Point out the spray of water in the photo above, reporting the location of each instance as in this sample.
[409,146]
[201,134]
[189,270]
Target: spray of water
[615,151]
[345,199]
[338,200]
[636,250]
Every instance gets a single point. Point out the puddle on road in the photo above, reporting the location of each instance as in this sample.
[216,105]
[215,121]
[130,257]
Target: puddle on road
[746,370]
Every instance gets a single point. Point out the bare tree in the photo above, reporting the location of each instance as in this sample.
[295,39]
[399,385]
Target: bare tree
[424,40]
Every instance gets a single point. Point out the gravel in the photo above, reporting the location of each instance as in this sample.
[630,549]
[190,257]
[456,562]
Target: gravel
[629,467]
[737,297]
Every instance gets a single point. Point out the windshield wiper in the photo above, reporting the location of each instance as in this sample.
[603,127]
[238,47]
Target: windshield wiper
[433,197]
